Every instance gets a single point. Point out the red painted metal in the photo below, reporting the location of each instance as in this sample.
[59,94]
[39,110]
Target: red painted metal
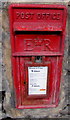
[37,30]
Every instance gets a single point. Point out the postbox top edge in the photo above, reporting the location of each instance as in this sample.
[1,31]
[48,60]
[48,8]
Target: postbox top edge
[53,6]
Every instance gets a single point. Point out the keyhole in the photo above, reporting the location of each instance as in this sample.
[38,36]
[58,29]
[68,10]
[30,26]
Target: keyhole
[24,82]
[38,59]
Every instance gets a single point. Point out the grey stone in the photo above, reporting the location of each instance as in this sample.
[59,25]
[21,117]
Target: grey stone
[0,68]
[0,106]
[8,104]
[35,1]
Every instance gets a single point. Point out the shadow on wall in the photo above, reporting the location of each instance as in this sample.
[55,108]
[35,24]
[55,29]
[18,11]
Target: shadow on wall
[8,118]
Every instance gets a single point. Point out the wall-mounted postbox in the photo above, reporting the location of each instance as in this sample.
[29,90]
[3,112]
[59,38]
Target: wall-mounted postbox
[37,41]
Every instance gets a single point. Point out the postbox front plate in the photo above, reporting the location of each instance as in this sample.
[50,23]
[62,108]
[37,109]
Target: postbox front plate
[37,31]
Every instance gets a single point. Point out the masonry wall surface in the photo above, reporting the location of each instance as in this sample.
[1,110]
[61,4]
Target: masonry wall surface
[7,82]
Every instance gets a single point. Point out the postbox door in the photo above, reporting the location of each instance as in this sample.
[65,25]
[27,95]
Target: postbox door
[53,75]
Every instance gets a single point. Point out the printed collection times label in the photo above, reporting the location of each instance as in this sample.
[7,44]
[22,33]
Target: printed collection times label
[37,82]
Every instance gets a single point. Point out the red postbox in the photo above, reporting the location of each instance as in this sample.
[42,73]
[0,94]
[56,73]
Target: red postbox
[37,41]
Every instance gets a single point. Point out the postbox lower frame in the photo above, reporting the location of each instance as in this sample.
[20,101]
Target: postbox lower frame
[53,100]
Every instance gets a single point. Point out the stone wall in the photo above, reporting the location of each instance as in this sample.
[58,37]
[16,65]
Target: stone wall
[9,109]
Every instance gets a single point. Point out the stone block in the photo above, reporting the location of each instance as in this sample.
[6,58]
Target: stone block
[9,106]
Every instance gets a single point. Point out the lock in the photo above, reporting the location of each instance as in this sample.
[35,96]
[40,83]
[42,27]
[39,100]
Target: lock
[37,35]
